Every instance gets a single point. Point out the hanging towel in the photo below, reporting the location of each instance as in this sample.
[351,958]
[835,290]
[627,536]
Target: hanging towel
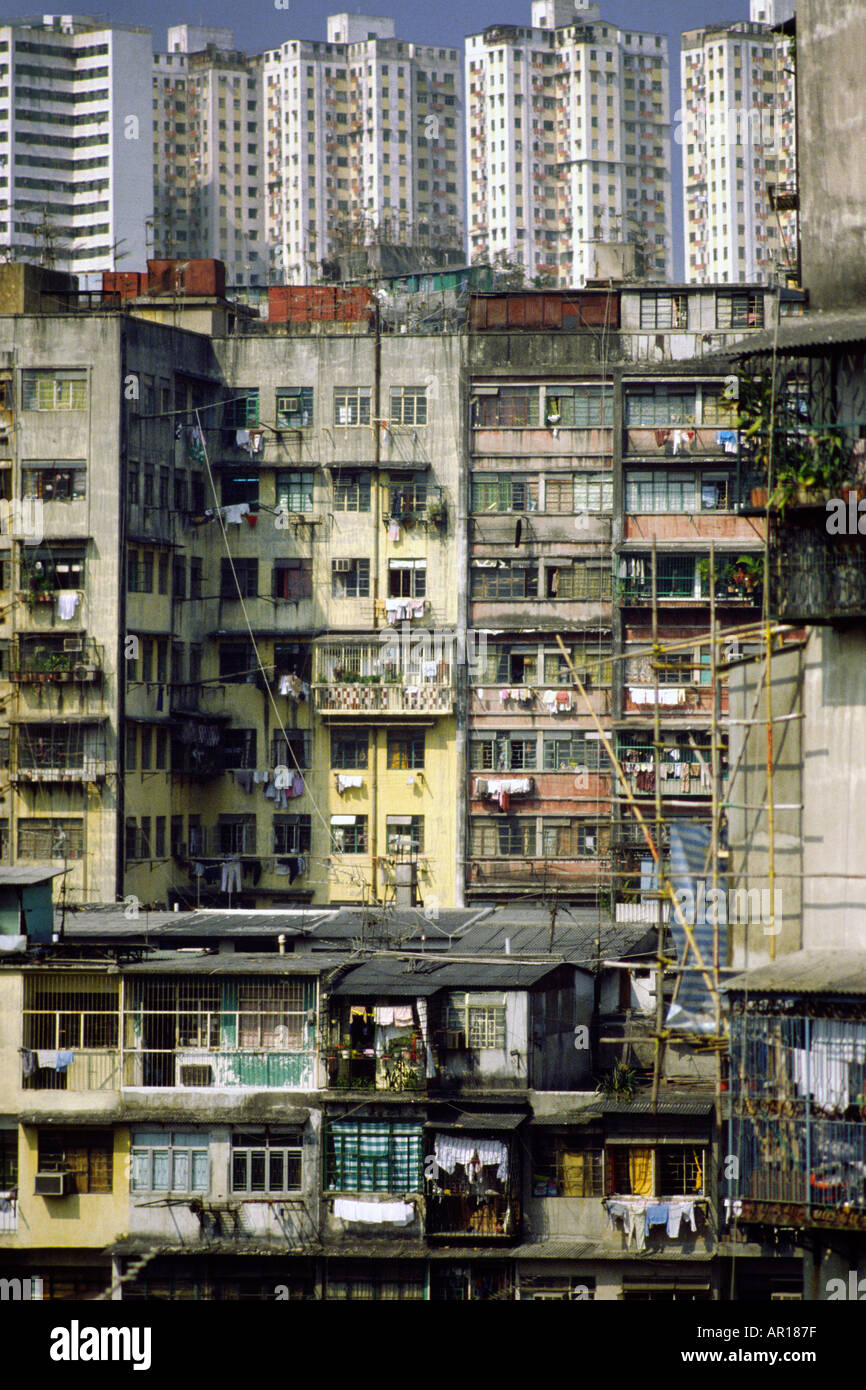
[67,602]
[28,1061]
[64,1061]
[394,531]
[47,1057]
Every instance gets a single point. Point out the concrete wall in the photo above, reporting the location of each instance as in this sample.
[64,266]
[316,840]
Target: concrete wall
[832,151]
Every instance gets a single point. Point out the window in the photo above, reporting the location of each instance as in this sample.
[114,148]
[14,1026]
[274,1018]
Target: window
[350,578]
[665,1171]
[504,492]
[503,752]
[169,1161]
[54,390]
[58,838]
[660,406]
[582,407]
[582,580]
[62,480]
[407,578]
[661,491]
[348,834]
[58,568]
[237,662]
[352,405]
[664,311]
[243,411]
[405,749]
[482,1023]
[239,748]
[504,580]
[400,1281]
[740,310]
[292,580]
[292,834]
[718,407]
[236,487]
[272,1014]
[236,834]
[593,492]
[408,405]
[295,491]
[294,407]
[676,668]
[373,1156]
[505,406]
[568,839]
[266,1160]
[565,751]
[88,1153]
[8,1159]
[238,579]
[404,834]
[349,749]
[506,837]
[567,1166]
[352,492]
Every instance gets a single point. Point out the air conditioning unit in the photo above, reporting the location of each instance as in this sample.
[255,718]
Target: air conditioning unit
[342,566]
[73,644]
[58,1184]
[196,1076]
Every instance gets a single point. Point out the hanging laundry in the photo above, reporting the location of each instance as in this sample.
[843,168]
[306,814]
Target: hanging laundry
[232,516]
[393,531]
[230,877]
[343,782]
[242,439]
[429,670]
[67,602]
[728,440]
[64,1061]
[296,788]
[28,1061]
[244,779]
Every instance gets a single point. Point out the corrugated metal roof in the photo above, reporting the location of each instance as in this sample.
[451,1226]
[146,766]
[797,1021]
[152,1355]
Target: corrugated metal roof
[20,875]
[112,922]
[384,975]
[809,332]
[576,941]
[474,1124]
[231,963]
[806,972]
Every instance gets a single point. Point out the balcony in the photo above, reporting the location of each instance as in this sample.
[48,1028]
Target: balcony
[66,659]
[674,700]
[685,579]
[815,577]
[398,1067]
[224,1068]
[358,700]
[58,752]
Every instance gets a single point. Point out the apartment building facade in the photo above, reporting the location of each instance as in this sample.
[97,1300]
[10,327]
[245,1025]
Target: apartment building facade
[208,153]
[737,127]
[568,140]
[363,142]
[75,143]
[239,1123]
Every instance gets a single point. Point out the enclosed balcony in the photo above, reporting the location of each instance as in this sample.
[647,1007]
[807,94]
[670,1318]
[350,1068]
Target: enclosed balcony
[375,1047]
[56,659]
[815,577]
[396,678]
[798,1096]
[69,751]
[685,579]
[474,1192]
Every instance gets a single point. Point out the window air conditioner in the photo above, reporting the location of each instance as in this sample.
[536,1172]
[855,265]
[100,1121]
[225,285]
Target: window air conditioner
[59,1184]
[73,644]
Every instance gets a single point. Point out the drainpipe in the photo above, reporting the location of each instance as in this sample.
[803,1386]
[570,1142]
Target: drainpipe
[375,489]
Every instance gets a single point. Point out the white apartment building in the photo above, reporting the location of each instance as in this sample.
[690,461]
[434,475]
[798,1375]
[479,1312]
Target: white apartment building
[76,140]
[363,141]
[208,158]
[568,139]
[737,128]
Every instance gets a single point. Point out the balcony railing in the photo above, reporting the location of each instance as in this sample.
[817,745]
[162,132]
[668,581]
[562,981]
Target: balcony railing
[397,1069]
[76,660]
[680,441]
[486,874]
[815,577]
[357,698]
[226,1068]
[91,1069]
[818,1165]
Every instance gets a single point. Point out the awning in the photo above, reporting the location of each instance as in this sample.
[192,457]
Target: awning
[473,1124]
